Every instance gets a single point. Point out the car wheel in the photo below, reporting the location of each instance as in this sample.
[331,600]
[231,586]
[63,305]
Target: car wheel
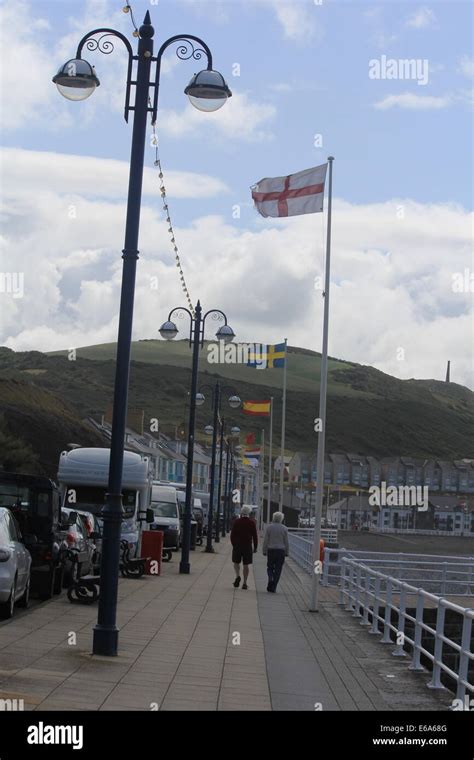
[8,608]
[25,598]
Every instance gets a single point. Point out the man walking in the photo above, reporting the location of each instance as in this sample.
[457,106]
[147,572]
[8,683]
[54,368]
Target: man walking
[276,548]
[242,536]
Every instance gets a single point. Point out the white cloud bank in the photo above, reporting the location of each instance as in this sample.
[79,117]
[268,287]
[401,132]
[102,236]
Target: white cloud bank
[392,272]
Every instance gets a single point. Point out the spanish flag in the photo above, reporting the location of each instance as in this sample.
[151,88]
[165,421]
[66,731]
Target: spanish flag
[257,408]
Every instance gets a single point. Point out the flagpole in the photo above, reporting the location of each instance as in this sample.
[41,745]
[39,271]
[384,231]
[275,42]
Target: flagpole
[270,470]
[283,420]
[314,604]
[262,481]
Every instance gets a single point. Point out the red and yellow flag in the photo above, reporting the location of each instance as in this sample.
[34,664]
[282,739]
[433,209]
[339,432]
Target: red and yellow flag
[257,408]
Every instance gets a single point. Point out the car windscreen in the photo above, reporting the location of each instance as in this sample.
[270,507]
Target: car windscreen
[164,509]
[92,499]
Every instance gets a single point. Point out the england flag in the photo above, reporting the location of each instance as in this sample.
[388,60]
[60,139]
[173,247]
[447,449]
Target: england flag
[300,193]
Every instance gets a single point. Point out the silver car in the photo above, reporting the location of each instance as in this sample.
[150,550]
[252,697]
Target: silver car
[15,566]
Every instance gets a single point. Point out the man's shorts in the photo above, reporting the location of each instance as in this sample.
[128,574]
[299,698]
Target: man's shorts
[242,554]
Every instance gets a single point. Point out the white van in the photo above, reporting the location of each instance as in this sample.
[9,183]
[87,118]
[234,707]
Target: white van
[164,503]
[83,476]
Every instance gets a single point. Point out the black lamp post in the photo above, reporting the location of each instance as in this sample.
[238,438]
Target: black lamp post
[227,481]
[234,403]
[169,330]
[77,80]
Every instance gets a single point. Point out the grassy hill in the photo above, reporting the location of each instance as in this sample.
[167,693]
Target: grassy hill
[45,396]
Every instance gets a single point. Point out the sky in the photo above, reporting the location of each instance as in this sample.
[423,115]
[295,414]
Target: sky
[309,79]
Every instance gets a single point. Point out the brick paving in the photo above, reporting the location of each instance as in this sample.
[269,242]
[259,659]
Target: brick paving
[193,642]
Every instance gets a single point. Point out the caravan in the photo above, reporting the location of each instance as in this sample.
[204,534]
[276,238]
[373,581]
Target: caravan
[83,475]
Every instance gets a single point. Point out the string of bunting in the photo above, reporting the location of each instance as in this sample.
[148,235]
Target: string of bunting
[154,142]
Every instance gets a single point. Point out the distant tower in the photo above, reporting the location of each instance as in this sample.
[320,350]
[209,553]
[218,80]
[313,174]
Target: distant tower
[448,370]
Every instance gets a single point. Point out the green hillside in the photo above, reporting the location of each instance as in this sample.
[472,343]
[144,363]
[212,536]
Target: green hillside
[44,397]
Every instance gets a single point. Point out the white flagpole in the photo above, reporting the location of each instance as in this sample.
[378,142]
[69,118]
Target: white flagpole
[314,605]
[270,470]
[262,480]
[283,420]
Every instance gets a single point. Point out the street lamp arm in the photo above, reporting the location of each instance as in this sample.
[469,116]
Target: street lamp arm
[179,308]
[214,311]
[102,46]
[184,52]
[106,46]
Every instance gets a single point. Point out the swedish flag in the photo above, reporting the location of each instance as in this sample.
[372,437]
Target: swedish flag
[269,357]
[276,356]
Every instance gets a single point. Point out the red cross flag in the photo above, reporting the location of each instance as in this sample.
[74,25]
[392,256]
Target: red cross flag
[300,193]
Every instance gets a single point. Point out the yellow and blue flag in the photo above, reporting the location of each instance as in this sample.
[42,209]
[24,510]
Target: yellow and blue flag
[269,357]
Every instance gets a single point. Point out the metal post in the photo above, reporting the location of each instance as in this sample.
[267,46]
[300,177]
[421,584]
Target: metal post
[283,425]
[221,453]
[184,566]
[270,468]
[105,637]
[314,604]
[216,400]
[225,520]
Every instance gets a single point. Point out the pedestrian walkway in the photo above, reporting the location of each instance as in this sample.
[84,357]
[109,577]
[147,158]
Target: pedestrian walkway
[193,642]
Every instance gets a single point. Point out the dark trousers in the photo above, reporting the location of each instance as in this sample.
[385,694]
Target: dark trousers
[275,560]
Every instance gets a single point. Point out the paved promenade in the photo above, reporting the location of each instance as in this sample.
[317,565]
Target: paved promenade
[193,642]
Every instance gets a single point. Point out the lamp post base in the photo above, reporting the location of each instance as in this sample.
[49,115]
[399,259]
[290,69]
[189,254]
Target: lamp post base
[209,550]
[105,640]
[184,568]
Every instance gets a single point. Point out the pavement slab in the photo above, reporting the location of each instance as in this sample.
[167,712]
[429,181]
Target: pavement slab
[194,642]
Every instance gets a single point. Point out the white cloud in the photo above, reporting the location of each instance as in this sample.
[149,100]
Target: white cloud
[466,66]
[299,21]
[239,119]
[414,102]
[392,278]
[25,171]
[421,18]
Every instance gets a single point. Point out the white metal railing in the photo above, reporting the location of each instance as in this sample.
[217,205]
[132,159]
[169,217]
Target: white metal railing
[441,574]
[365,590]
[301,550]
[416,532]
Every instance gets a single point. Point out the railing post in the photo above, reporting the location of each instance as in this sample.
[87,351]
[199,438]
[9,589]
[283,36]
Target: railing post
[415,663]
[325,576]
[443,578]
[356,612]
[376,607]
[435,682]
[350,588]
[343,582]
[399,651]
[365,617]
[388,613]
[464,654]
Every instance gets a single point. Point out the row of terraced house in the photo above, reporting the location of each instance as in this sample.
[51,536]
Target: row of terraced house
[444,476]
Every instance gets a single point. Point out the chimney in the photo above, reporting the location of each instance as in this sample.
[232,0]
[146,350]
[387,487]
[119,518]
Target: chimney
[448,372]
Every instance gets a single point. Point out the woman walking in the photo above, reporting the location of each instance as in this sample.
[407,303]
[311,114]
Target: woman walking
[275,548]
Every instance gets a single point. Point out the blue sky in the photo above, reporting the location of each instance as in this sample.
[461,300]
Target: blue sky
[402,176]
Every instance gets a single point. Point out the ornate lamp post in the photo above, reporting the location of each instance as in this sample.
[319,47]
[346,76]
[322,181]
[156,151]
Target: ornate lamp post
[207,90]
[234,403]
[169,330]
[227,481]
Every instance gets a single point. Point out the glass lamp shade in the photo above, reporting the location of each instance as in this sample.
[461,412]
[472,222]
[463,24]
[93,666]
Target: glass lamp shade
[208,430]
[225,333]
[76,80]
[235,430]
[208,91]
[168,330]
[234,402]
[200,399]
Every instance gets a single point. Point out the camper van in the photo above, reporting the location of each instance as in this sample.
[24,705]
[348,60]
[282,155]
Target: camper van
[164,503]
[83,475]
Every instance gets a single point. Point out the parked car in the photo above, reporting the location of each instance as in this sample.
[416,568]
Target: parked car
[76,537]
[164,503]
[15,566]
[34,502]
[94,532]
